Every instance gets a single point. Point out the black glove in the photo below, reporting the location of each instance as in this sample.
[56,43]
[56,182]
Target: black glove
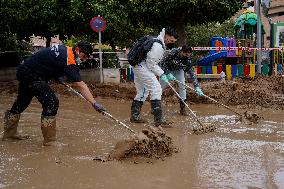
[99,107]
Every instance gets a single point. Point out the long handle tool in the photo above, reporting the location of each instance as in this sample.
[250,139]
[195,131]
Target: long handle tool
[103,112]
[203,128]
[241,116]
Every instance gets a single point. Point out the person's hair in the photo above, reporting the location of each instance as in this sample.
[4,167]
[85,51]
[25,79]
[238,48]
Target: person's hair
[171,32]
[85,47]
[186,49]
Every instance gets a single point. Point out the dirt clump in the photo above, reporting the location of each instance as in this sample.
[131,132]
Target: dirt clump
[252,117]
[149,144]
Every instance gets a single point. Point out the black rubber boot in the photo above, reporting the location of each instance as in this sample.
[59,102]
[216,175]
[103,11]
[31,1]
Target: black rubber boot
[135,112]
[158,114]
[183,109]
[10,127]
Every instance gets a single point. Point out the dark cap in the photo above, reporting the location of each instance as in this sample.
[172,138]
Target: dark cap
[85,47]
[186,49]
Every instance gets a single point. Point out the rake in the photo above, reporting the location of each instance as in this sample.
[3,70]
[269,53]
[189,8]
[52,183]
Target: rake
[200,130]
[103,112]
[241,116]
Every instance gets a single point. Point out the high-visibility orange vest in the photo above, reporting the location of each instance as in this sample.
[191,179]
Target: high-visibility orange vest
[70,56]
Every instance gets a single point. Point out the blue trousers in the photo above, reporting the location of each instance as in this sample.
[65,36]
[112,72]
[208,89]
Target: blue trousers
[180,76]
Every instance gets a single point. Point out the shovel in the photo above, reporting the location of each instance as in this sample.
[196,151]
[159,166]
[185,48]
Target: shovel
[241,116]
[200,130]
[103,112]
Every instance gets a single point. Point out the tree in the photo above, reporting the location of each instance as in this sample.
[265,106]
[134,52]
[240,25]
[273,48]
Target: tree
[127,19]
[200,35]
[180,13]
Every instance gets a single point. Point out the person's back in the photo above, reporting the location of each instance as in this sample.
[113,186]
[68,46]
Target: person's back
[48,63]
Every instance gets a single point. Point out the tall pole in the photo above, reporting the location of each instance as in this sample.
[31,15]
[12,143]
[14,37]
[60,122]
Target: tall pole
[258,36]
[101,57]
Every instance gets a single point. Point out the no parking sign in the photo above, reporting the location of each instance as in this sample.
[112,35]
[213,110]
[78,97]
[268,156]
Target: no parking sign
[98,24]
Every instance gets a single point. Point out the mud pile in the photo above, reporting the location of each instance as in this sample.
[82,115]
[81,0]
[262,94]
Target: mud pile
[148,144]
[261,91]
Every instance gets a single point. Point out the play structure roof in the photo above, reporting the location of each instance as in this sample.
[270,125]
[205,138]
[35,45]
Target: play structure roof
[249,20]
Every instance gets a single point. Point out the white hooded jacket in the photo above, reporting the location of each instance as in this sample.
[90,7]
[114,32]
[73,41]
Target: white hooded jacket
[155,55]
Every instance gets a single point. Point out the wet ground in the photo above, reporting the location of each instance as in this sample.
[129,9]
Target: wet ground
[237,155]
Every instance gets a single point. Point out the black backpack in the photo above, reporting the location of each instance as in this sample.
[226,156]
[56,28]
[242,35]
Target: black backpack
[139,50]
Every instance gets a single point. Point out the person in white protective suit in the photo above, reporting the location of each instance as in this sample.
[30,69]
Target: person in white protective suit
[145,79]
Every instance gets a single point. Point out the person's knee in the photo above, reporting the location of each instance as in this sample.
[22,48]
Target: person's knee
[50,108]
[156,93]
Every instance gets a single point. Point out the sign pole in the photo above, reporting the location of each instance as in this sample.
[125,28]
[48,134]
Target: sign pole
[98,24]
[101,57]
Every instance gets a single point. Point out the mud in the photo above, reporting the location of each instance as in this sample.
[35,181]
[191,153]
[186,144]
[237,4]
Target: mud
[148,144]
[252,117]
[260,92]
[236,155]
[203,129]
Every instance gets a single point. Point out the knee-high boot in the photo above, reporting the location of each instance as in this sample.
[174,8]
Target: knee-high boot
[10,127]
[135,112]
[158,114]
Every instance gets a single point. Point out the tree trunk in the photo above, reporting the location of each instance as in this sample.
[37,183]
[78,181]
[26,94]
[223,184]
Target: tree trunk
[180,26]
[48,41]
[112,44]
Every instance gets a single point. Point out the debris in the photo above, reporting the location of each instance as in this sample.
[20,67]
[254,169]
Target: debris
[148,144]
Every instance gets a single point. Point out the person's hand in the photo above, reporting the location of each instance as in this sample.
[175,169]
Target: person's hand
[198,91]
[99,107]
[171,77]
[164,78]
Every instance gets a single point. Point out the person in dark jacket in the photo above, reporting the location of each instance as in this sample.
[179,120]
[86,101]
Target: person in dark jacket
[33,75]
[175,64]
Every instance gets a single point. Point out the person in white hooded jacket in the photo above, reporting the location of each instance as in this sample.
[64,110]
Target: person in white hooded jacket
[145,79]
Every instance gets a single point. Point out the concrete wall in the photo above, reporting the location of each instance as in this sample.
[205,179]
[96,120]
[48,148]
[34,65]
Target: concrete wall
[276,14]
[8,73]
[90,75]
[110,75]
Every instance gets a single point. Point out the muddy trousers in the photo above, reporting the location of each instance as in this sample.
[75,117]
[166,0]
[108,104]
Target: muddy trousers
[50,103]
[40,90]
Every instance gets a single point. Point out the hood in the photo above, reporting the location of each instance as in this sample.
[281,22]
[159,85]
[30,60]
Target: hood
[161,36]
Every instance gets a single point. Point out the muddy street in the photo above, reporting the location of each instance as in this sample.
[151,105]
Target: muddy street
[236,155]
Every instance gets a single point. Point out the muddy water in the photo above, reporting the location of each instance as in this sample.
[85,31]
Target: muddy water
[237,155]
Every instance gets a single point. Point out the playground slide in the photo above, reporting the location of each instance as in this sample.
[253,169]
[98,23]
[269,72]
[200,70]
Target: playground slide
[206,61]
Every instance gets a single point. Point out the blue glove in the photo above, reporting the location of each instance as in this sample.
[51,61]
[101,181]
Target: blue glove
[198,91]
[171,77]
[164,78]
[99,107]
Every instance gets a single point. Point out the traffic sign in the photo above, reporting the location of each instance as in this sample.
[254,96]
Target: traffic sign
[98,24]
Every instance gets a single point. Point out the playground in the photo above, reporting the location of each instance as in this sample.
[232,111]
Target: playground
[237,56]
